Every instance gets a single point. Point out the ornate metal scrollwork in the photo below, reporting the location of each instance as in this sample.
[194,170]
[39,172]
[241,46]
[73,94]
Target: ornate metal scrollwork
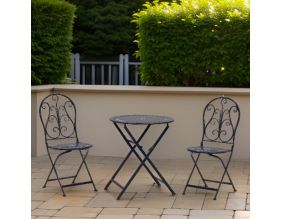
[220,120]
[58,116]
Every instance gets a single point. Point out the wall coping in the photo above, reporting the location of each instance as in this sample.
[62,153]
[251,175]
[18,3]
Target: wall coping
[142,89]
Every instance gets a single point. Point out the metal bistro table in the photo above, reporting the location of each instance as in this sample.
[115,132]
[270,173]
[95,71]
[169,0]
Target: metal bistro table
[123,123]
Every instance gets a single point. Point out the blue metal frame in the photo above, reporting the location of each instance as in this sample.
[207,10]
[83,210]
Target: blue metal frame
[133,144]
[58,116]
[221,117]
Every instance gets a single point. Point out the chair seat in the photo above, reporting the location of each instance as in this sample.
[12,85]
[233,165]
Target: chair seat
[208,150]
[72,146]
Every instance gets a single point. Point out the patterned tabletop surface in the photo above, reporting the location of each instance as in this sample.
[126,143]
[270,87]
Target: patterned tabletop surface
[141,119]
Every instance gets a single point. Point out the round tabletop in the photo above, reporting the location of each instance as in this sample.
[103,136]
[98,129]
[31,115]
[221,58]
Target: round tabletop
[141,119]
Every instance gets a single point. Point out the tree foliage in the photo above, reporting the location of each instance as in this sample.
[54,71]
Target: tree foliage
[104,27]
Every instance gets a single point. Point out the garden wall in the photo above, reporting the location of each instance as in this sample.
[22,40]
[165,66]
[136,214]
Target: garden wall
[96,104]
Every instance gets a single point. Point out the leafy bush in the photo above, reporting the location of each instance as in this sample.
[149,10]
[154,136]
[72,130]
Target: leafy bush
[194,43]
[51,35]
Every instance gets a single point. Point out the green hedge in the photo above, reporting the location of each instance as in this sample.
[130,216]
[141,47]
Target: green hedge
[51,35]
[195,43]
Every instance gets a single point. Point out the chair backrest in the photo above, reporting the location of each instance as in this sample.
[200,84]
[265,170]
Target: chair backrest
[221,117]
[58,116]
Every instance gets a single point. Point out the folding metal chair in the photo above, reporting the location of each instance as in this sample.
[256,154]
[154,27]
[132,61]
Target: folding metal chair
[58,116]
[221,117]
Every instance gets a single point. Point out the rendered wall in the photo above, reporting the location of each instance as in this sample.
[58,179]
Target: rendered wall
[96,104]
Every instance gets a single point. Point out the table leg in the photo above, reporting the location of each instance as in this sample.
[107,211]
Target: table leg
[134,145]
[148,154]
[128,155]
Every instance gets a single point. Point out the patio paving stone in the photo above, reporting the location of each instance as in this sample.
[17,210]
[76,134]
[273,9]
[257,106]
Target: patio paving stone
[35,204]
[182,179]
[236,204]
[220,195]
[79,212]
[242,215]
[173,217]
[152,202]
[235,195]
[178,188]
[209,217]
[49,189]
[176,211]
[117,211]
[134,187]
[143,199]
[190,201]
[58,202]
[43,212]
[150,211]
[114,216]
[69,218]
[218,204]
[211,214]
[108,200]
[243,188]
[81,193]
[38,174]
[147,217]
[42,196]
[43,217]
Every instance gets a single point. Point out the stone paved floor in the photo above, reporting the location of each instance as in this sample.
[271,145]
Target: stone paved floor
[143,200]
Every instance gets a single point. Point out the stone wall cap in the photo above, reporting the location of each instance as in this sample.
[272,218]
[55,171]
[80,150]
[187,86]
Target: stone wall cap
[142,89]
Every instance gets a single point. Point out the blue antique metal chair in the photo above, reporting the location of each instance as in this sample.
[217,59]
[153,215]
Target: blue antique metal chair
[221,117]
[58,116]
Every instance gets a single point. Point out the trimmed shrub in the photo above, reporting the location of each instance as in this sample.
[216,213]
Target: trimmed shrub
[51,35]
[195,43]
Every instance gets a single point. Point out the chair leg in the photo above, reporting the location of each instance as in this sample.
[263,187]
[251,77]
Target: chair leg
[83,161]
[189,177]
[54,168]
[224,172]
[77,172]
[192,171]
[230,180]
[200,173]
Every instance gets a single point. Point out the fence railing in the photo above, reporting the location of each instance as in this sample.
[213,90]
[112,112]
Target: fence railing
[121,72]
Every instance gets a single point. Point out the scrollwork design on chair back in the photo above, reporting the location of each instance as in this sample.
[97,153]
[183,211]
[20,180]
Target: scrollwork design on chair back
[58,116]
[220,120]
